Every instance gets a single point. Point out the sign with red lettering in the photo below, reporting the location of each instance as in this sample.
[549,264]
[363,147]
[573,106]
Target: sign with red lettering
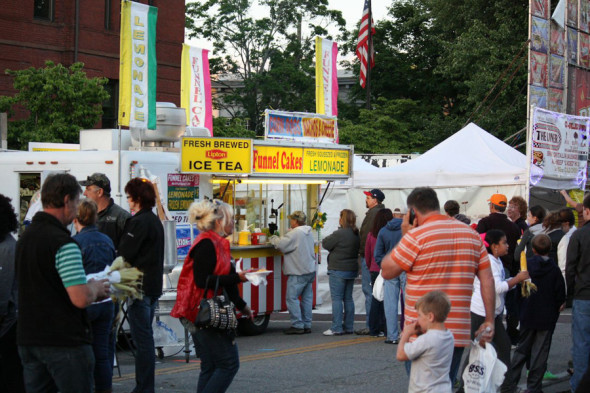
[300,126]
[559,154]
[216,155]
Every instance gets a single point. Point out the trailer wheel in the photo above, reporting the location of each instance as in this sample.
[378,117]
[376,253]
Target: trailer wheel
[246,327]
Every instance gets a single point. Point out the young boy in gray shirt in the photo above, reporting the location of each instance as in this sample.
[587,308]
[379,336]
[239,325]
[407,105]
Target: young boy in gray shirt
[431,353]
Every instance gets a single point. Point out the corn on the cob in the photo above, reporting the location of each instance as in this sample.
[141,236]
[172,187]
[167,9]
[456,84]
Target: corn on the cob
[131,280]
[528,287]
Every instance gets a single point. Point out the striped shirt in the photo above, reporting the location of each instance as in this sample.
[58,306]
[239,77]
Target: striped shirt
[442,254]
[68,262]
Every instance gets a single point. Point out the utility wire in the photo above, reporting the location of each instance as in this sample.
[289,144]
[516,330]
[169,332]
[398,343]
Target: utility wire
[506,112]
[524,46]
[502,89]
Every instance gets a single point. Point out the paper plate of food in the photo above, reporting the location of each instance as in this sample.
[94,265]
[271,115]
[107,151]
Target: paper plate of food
[261,271]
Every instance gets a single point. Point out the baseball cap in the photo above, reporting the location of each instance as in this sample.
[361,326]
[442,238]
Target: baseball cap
[498,200]
[375,193]
[298,215]
[98,179]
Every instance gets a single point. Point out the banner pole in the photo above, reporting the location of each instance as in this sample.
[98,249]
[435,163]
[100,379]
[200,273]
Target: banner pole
[119,195]
[529,149]
[369,55]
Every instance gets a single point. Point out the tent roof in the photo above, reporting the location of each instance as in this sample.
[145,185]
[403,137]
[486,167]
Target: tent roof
[470,157]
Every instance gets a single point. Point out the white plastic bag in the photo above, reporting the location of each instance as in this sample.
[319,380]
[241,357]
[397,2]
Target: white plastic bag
[163,334]
[378,289]
[484,373]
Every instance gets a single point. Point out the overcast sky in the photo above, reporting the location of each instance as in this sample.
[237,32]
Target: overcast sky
[351,11]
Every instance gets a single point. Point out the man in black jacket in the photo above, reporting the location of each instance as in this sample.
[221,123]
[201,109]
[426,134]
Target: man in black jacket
[374,202]
[111,217]
[54,336]
[498,220]
[577,277]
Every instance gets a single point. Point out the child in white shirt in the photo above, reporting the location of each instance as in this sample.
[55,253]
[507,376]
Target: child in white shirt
[431,353]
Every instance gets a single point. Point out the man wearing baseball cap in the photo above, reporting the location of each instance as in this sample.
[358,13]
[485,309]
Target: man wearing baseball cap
[374,202]
[111,217]
[499,220]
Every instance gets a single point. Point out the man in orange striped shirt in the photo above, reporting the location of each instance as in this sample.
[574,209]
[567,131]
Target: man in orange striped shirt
[440,253]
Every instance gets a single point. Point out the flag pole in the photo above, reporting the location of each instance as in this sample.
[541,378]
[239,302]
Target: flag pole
[370,51]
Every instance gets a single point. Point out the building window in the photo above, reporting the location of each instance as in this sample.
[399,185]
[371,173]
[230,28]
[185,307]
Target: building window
[43,9]
[110,106]
[107,14]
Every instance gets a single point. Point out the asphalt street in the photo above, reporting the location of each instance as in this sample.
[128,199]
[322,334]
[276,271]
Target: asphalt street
[274,362]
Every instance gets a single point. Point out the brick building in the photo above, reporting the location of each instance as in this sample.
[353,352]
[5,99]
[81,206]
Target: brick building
[66,31]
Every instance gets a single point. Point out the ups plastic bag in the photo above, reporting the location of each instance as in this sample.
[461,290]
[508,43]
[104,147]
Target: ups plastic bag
[484,373]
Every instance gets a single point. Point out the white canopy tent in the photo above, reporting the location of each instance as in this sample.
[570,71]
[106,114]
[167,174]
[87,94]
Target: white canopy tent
[470,157]
[468,167]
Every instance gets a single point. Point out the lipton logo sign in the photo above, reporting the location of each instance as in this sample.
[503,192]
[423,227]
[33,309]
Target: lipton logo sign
[216,154]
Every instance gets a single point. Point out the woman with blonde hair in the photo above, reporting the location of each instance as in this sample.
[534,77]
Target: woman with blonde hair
[343,245]
[209,262]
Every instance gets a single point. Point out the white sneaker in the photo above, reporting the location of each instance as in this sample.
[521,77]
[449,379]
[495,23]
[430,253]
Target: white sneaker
[329,332]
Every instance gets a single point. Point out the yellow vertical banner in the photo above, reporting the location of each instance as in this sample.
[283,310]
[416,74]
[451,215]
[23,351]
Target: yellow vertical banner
[125,64]
[138,66]
[319,78]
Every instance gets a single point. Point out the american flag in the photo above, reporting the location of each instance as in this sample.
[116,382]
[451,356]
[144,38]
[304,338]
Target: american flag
[362,45]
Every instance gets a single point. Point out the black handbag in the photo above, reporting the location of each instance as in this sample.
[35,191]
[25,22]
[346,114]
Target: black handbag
[216,312]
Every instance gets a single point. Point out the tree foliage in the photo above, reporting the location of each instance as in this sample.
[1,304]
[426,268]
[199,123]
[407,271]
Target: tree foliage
[272,55]
[446,57]
[60,101]
[438,65]
[231,128]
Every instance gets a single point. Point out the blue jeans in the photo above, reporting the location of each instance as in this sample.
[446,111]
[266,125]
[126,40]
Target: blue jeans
[53,369]
[220,362]
[100,317]
[367,288]
[455,363]
[141,315]
[390,302]
[341,285]
[581,340]
[300,312]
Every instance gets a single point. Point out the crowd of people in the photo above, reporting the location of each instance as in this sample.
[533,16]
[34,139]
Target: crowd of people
[453,279]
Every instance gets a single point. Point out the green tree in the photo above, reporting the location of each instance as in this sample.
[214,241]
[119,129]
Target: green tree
[386,128]
[271,55]
[231,128]
[484,43]
[60,101]
[446,57]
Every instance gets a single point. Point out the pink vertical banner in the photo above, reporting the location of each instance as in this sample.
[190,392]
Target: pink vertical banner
[334,80]
[195,87]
